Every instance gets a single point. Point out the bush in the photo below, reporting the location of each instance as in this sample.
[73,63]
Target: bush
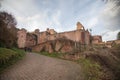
[20,53]
[91,69]
[6,55]
[9,56]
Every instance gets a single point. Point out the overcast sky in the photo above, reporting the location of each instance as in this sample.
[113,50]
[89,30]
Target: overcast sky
[102,16]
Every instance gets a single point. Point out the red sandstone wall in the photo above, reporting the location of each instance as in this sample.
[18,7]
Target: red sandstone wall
[96,39]
[77,35]
[87,37]
[72,35]
[43,37]
[30,40]
[21,38]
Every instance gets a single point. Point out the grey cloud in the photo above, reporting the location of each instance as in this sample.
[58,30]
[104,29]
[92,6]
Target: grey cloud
[0,3]
[111,15]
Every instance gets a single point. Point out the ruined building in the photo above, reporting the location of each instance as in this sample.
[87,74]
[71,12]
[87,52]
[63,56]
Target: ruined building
[26,39]
[96,39]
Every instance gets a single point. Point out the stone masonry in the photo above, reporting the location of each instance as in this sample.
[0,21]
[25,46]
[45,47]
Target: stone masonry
[32,39]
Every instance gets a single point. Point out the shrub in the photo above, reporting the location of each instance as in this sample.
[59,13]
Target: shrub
[6,55]
[9,56]
[91,69]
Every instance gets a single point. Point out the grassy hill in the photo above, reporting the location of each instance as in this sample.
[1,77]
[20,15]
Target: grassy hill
[9,57]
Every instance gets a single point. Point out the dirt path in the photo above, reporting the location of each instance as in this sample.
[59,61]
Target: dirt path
[38,67]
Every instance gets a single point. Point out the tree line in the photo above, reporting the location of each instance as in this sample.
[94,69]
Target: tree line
[8,30]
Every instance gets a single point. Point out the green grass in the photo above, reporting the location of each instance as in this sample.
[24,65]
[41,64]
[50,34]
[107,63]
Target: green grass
[9,57]
[92,70]
[20,52]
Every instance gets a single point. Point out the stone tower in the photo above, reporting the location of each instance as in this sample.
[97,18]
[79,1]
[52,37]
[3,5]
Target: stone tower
[21,34]
[79,26]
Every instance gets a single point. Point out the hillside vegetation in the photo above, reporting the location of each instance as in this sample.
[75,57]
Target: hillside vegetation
[108,59]
[9,57]
[98,62]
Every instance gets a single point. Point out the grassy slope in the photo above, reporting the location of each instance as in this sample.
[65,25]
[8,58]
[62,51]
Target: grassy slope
[9,57]
[91,69]
[108,59]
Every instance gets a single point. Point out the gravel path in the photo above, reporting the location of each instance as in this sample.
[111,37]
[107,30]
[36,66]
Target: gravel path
[38,67]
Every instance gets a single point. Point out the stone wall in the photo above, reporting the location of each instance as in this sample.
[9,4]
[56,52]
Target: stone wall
[96,39]
[31,40]
[26,39]
[21,34]
[76,35]
[79,26]
[43,37]
[80,35]
[112,42]
[87,37]
[58,45]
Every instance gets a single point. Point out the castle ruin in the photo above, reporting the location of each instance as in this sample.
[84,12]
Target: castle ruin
[29,39]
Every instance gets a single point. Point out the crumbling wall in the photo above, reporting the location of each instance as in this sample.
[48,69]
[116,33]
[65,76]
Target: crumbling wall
[31,40]
[96,39]
[58,45]
[76,36]
[21,34]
